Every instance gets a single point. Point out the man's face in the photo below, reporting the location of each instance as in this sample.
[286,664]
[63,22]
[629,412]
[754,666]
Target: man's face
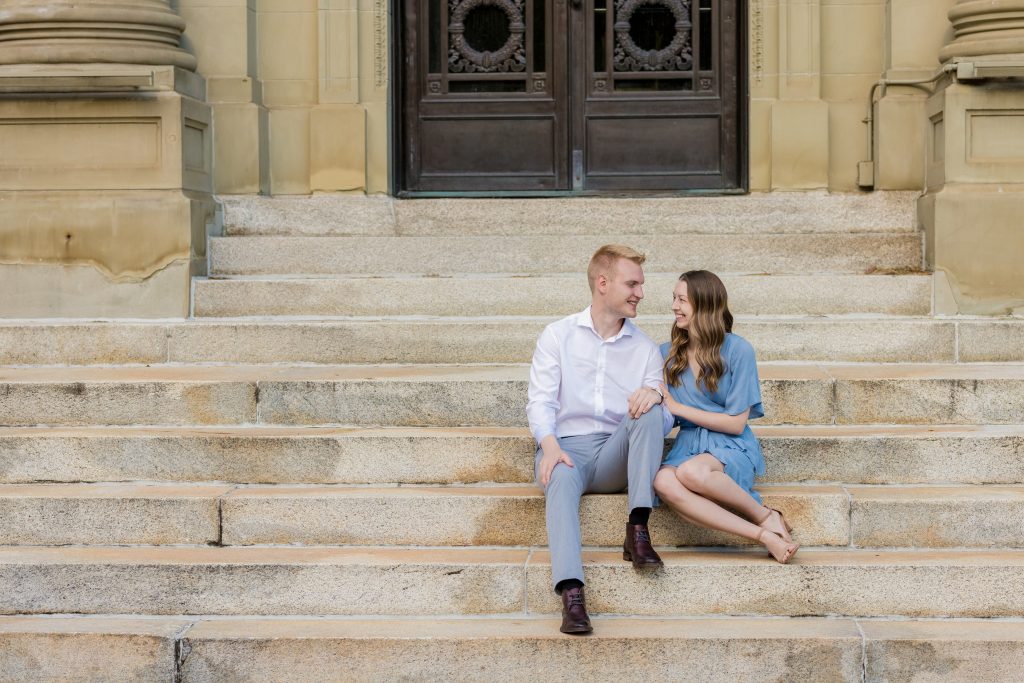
[624,288]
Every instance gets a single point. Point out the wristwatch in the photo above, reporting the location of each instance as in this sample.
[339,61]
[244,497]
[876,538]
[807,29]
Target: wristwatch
[658,389]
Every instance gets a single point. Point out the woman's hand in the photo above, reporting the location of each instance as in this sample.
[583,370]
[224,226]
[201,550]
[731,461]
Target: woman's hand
[673,406]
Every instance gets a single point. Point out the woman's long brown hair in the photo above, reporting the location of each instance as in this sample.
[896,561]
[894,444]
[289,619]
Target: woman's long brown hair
[710,322]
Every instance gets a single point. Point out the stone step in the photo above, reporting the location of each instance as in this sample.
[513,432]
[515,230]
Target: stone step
[110,513]
[388,581]
[847,253]
[757,213]
[154,514]
[486,340]
[304,649]
[482,395]
[903,295]
[886,516]
[328,455]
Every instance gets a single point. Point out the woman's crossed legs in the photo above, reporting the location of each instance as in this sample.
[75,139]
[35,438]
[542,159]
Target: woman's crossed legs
[702,493]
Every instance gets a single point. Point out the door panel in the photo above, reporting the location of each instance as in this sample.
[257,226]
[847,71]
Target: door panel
[484,96]
[571,95]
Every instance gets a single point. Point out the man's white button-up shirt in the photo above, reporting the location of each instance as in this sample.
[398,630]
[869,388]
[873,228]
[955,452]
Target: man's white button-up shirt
[581,383]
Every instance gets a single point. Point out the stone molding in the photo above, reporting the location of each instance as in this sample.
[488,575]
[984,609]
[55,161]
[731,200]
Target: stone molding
[92,31]
[985,28]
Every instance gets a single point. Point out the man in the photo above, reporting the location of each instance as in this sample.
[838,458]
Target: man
[594,379]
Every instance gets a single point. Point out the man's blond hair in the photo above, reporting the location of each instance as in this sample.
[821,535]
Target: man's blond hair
[603,260]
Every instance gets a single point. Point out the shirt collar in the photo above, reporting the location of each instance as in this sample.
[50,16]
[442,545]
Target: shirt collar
[584,319]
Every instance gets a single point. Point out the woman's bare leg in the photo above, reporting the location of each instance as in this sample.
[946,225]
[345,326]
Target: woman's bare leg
[706,475]
[699,510]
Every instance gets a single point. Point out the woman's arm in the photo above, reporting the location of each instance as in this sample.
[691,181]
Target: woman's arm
[716,422]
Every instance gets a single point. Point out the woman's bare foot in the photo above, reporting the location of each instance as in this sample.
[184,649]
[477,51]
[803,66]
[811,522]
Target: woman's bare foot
[776,523]
[781,549]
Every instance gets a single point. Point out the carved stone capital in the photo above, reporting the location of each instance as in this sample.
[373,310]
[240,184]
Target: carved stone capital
[985,28]
[92,31]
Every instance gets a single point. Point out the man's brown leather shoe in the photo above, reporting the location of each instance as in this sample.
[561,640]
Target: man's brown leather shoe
[574,612]
[637,548]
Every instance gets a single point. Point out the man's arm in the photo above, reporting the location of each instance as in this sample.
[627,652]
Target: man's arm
[542,405]
[650,393]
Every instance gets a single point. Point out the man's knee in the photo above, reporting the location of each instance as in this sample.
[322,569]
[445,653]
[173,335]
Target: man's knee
[650,419]
[563,479]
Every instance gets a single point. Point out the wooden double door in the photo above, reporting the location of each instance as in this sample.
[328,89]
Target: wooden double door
[570,95]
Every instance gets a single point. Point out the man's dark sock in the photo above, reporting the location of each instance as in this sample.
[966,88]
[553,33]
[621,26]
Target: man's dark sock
[639,515]
[567,583]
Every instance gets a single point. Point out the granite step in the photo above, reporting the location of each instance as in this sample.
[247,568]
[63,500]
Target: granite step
[110,513]
[497,339]
[450,255]
[328,455]
[476,295]
[482,395]
[888,339]
[169,514]
[462,581]
[823,515]
[303,649]
[756,213]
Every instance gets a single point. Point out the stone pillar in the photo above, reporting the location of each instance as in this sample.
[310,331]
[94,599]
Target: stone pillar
[105,173]
[91,31]
[916,30]
[223,34]
[975,171]
[799,118]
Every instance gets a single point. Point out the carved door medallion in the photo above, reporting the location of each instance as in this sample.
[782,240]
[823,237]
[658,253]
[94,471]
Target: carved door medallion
[570,95]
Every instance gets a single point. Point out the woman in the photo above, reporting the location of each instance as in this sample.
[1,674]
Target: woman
[708,475]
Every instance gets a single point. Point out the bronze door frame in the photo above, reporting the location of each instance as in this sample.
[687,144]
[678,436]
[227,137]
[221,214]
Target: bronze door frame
[735,139]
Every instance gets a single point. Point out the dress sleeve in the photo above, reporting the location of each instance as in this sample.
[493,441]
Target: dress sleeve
[745,391]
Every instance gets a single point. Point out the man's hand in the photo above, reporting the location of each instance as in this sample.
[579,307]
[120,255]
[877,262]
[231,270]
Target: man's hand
[642,400]
[551,457]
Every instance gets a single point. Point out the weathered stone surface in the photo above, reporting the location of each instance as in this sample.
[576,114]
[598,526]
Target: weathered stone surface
[92,650]
[318,214]
[484,340]
[487,516]
[359,581]
[937,517]
[311,455]
[756,213]
[509,649]
[105,400]
[267,455]
[894,454]
[991,342]
[65,514]
[485,396]
[949,583]
[550,295]
[968,651]
[81,344]
[960,394]
[435,255]
[513,341]
[191,580]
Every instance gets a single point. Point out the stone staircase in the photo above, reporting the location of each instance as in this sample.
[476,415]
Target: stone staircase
[326,474]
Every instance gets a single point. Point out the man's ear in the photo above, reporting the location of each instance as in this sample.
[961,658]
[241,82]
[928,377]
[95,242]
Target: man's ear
[601,283]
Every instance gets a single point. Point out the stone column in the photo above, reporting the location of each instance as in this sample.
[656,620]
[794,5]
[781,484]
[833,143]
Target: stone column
[92,31]
[799,118]
[105,173]
[975,171]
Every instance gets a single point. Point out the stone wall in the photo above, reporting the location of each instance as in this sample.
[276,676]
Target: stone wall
[308,81]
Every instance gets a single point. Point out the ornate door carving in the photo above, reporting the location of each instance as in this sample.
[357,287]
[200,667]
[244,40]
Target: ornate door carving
[570,95]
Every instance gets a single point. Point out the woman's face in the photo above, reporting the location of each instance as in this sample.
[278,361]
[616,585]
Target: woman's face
[681,306]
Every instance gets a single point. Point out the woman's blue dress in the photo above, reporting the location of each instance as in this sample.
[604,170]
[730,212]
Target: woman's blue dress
[738,389]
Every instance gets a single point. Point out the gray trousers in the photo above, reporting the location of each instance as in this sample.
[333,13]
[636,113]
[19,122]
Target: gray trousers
[603,463]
